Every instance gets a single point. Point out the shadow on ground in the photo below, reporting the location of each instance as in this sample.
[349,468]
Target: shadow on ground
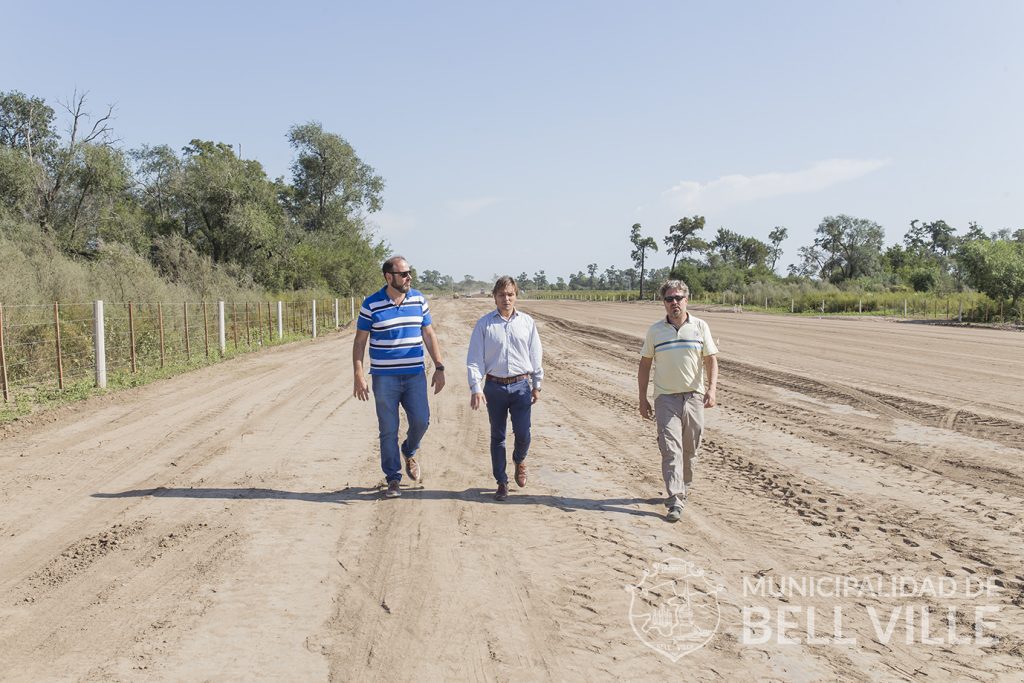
[351,494]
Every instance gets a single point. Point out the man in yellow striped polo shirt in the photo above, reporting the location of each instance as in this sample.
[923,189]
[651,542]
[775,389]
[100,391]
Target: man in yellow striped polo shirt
[683,353]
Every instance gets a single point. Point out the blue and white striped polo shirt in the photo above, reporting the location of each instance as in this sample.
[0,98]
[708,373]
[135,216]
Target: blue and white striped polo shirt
[396,332]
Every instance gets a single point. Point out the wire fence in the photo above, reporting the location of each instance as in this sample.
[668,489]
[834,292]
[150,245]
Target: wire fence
[46,347]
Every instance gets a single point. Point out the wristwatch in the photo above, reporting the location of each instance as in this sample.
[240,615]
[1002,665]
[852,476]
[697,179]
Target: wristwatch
[438,367]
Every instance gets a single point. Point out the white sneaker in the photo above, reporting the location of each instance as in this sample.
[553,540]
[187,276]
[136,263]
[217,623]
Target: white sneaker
[674,513]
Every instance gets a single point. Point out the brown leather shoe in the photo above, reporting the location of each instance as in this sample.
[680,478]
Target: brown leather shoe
[502,493]
[521,474]
[412,468]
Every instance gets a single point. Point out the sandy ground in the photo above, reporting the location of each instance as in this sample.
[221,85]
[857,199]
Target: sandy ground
[226,525]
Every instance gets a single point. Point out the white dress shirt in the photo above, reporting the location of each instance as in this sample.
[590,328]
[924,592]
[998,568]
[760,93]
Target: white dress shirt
[504,348]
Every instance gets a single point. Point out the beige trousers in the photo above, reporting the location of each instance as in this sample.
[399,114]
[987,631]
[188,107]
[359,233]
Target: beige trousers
[680,419]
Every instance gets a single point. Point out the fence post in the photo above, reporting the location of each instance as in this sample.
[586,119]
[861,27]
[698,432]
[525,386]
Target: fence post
[188,348]
[206,330]
[131,335]
[353,304]
[259,320]
[904,308]
[234,322]
[792,307]
[3,359]
[100,343]
[160,319]
[337,318]
[221,332]
[280,320]
[960,315]
[248,327]
[313,318]
[860,305]
[60,359]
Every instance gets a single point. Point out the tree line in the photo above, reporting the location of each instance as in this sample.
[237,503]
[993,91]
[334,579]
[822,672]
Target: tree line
[847,252]
[181,208]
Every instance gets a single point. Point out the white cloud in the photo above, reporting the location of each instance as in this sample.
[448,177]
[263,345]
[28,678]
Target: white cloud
[692,195]
[467,207]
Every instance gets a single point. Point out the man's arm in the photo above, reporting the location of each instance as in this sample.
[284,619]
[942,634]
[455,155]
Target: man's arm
[643,378]
[537,361]
[434,349]
[711,370]
[360,389]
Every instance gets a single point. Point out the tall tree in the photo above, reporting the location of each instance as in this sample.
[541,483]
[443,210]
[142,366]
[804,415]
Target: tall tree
[330,181]
[228,208]
[641,245]
[777,236]
[682,238]
[592,269]
[935,238]
[852,247]
[27,124]
[996,267]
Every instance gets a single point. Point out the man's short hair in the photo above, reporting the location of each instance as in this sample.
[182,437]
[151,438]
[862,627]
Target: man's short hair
[389,265]
[674,284]
[503,282]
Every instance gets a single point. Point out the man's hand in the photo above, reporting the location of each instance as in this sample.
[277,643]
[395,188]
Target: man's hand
[361,390]
[438,381]
[535,396]
[477,400]
[709,398]
[646,411]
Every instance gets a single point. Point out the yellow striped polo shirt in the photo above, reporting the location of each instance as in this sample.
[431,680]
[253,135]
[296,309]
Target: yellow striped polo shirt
[679,354]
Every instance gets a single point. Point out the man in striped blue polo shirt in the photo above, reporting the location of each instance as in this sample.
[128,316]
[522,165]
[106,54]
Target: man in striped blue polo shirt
[396,321]
[683,353]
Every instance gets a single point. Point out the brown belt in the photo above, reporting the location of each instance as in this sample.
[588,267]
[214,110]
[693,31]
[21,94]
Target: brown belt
[506,380]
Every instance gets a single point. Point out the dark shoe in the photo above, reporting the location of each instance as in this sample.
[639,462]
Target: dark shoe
[502,493]
[521,474]
[412,468]
[674,513]
[393,490]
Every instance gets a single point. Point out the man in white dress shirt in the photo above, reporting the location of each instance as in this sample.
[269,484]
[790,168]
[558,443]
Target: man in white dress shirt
[505,371]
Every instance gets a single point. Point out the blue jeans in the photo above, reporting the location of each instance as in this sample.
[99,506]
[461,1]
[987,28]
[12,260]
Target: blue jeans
[502,400]
[411,392]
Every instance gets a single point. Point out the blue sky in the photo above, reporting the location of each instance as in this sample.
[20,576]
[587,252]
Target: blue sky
[531,135]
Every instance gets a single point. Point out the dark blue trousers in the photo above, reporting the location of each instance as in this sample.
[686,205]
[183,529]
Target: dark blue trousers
[502,401]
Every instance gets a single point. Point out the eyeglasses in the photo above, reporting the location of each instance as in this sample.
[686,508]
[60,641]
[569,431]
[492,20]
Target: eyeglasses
[401,273]
[677,299]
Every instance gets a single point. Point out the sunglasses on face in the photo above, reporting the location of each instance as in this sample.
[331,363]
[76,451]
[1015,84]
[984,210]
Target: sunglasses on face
[401,273]
[677,299]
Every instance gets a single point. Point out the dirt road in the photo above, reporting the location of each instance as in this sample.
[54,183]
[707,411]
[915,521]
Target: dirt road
[226,525]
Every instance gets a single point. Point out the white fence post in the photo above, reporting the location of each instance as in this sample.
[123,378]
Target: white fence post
[99,341]
[280,320]
[337,319]
[353,303]
[221,336]
[314,318]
